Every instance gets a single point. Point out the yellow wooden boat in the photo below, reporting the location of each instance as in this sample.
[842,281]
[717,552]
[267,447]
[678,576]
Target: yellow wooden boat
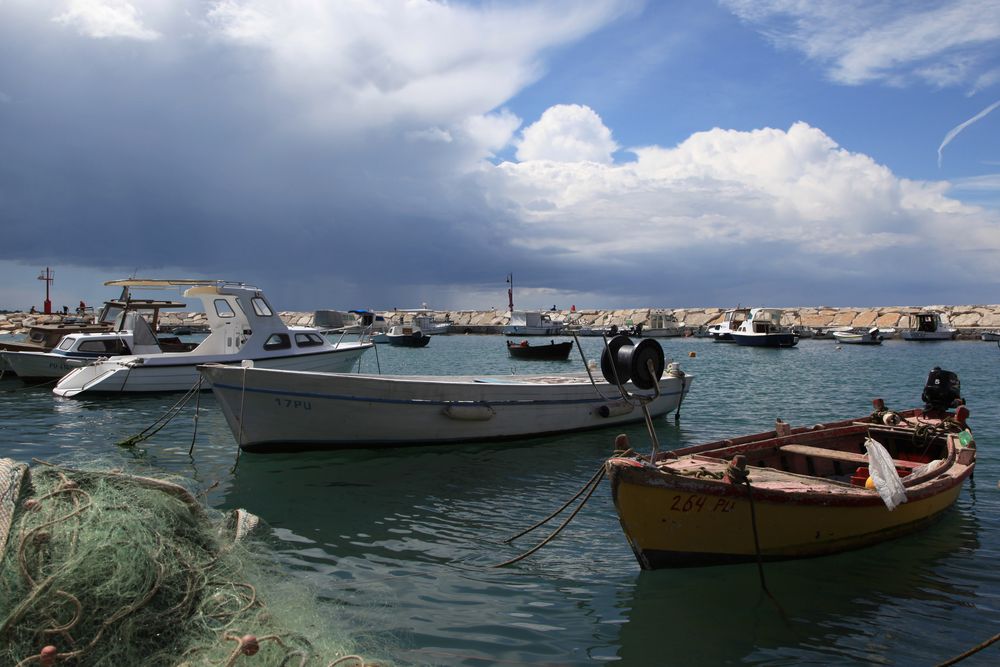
[796,492]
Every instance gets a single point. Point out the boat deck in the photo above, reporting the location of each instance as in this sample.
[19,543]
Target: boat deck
[766,478]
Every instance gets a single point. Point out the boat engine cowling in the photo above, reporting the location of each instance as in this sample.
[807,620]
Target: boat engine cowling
[942,391]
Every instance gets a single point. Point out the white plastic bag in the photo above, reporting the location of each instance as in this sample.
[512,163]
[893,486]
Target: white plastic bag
[884,475]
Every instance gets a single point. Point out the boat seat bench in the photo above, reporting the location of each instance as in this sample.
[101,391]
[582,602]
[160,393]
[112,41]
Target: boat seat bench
[837,455]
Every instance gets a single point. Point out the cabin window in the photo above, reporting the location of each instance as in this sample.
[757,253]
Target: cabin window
[115,346]
[260,307]
[223,309]
[278,341]
[66,343]
[308,339]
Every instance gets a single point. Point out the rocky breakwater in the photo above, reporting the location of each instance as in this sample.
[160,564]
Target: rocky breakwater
[970,320]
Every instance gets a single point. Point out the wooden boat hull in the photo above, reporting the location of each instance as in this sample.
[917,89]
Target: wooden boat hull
[553,352]
[679,514]
[269,410]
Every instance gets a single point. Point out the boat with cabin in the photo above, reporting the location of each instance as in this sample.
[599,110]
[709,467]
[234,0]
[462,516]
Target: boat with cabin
[406,335]
[77,350]
[662,324]
[277,410]
[533,323]
[763,328]
[927,325]
[243,327]
[731,321]
[797,492]
[43,338]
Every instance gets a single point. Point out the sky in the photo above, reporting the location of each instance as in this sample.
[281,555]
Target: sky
[605,154]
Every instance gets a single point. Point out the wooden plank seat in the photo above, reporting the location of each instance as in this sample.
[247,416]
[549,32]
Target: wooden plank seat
[837,455]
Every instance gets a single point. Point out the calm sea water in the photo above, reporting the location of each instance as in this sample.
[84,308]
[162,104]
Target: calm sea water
[398,544]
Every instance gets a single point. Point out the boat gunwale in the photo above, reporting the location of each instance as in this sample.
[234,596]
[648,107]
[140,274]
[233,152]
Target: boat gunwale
[928,484]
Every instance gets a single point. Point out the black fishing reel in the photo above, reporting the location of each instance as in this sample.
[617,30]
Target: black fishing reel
[622,361]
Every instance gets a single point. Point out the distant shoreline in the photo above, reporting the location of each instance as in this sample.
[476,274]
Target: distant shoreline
[970,320]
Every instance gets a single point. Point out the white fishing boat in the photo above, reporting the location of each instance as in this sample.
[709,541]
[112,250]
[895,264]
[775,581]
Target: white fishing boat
[990,336]
[763,328]
[533,323]
[242,326]
[927,325]
[277,410]
[662,324]
[83,348]
[870,337]
[731,320]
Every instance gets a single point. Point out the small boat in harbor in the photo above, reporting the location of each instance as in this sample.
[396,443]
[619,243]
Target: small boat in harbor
[925,325]
[829,333]
[553,351]
[82,349]
[661,324]
[870,337]
[763,328]
[797,492]
[990,336]
[406,335]
[533,323]
[731,321]
[276,410]
[243,326]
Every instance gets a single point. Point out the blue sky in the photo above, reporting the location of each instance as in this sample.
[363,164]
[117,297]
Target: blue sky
[608,154]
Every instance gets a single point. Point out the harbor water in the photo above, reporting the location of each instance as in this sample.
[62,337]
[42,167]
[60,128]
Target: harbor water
[399,544]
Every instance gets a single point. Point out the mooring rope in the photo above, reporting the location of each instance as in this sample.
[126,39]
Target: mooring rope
[972,651]
[163,419]
[558,530]
[558,511]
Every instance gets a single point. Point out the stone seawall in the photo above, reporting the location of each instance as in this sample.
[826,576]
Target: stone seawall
[969,320]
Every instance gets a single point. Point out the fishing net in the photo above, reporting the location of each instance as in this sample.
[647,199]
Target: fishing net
[104,568]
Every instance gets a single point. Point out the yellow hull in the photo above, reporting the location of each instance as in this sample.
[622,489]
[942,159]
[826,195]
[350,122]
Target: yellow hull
[710,522]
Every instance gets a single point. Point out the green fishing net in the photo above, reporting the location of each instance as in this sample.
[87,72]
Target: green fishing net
[104,568]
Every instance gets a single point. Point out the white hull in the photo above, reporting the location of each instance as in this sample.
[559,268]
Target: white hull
[857,338]
[672,332]
[277,410]
[517,330]
[912,334]
[40,365]
[180,372]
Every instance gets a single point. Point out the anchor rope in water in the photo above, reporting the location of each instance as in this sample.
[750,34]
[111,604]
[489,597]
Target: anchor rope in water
[558,511]
[972,651]
[163,419]
[553,534]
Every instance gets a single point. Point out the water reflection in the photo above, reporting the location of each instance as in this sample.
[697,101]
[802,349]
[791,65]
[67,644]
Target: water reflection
[831,608]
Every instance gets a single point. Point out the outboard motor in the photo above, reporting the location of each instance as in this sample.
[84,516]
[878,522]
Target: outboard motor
[942,391]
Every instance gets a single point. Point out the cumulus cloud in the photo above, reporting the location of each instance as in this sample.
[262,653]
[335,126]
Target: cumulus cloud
[944,43]
[757,201]
[567,133]
[103,19]
[352,65]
